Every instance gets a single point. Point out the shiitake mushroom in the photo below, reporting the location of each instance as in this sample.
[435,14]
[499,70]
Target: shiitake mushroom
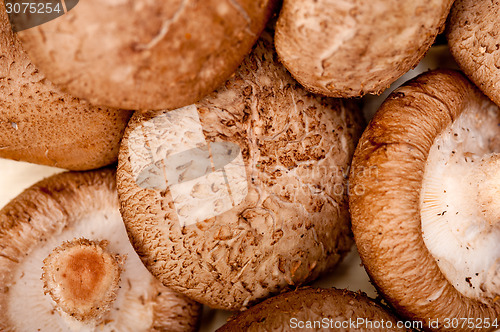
[425,218]
[42,125]
[140,54]
[66,263]
[243,193]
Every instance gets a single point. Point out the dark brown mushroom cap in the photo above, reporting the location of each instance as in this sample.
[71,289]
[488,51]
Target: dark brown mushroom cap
[290,223]
[139,54]
[386,179]
[42,125]
[352,48]
[474,42]
[58,209]
[328,306]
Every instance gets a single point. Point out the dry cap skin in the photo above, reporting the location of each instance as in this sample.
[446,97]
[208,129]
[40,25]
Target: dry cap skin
[139,54]
[243,193]
[352,48]
[313,308]
[474,41]
[42,125]
[425,216]
[59,237]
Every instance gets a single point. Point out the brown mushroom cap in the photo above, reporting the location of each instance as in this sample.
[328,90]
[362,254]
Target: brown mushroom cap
[474,41]
[59,209]
[388,195]
[319,308]
[229,229]
[352,48]
[42,125]
[139,54]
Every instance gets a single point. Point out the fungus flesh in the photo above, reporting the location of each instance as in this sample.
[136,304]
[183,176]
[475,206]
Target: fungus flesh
[459,201]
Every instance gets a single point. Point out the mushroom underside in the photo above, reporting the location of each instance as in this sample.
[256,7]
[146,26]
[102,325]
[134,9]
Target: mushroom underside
[456,224]
[424,218]
[69,208]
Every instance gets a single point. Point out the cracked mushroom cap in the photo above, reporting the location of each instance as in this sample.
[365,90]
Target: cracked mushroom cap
[42,125]
[474,42]
[314,308]
[424,199]
[66,264]
[140,54]
[352,48]
[242,194]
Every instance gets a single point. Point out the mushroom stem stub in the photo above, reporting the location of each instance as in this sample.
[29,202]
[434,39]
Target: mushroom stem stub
[487,178]
[82,278]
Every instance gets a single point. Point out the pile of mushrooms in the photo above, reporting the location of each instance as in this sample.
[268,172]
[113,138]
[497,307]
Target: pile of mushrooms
[229,193]
[66,264]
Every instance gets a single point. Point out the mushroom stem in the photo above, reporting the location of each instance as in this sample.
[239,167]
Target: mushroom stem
[487,178]
[82,278]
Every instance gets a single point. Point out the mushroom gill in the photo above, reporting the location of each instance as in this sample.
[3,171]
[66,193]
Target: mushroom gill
[460,205]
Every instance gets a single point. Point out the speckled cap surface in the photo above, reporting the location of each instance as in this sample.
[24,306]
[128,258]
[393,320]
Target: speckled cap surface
[243,193]
[474,41]
[142,54]
[351,48]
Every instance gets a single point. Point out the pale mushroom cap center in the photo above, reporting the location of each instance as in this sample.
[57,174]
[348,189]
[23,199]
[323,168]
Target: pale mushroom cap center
[78,278]
[460,204]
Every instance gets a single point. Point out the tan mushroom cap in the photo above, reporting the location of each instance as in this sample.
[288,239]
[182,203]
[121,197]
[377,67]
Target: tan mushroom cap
[328,309]
[271,216]
[36,226]
[387,175]
[139,54]
[352,48]
[474,42]
[42,125]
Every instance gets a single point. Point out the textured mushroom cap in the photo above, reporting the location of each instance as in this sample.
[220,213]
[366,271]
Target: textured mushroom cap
[385,201]
[42,125]
[351,48]
[58,209]
[140,54]
[279,313]
[273,215]
[474,42]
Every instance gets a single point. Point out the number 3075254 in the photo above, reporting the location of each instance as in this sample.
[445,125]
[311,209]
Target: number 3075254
[33,8]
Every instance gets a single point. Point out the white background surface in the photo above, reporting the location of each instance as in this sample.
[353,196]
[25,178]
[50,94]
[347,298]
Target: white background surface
[16,176]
